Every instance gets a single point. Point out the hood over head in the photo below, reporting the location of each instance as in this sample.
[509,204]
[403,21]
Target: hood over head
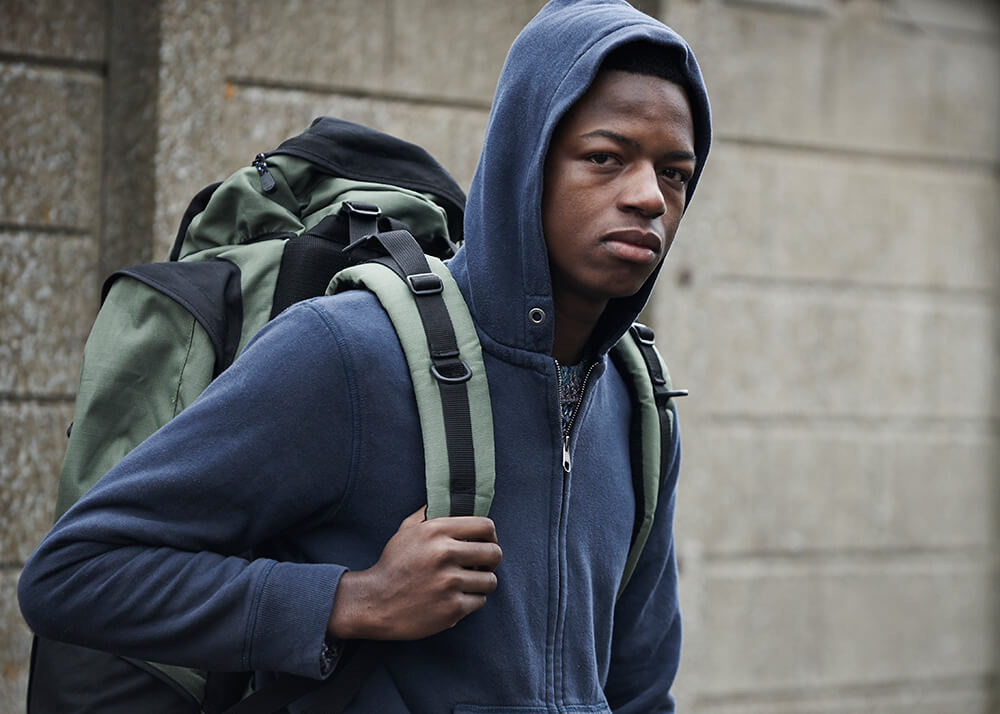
[549,67]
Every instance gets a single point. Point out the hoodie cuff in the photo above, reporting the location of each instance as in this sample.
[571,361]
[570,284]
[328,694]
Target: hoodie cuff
[329,655]
[287,629]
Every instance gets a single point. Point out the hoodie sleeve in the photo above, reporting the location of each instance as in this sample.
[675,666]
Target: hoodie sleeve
[148,562]
[645,648]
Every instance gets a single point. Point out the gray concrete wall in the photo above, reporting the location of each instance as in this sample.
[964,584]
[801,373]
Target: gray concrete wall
[831,300]
[832,305]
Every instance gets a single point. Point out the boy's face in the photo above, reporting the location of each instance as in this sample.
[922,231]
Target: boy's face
[615,184]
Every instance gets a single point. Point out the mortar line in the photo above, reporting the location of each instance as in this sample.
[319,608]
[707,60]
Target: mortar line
[21,398]
[876,425]
[824,558]
[900,157]
[852,288]
[95,67]
[45,229]
[852,691]
[359,93]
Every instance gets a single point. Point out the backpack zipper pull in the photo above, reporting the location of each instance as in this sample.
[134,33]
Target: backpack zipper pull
[267,182]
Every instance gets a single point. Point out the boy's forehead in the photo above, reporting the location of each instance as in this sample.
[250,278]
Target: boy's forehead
[616,91]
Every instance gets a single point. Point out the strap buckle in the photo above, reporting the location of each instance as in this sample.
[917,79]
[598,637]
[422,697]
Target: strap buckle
[439,367]
[367,210]
[362,222]
[643,333]
[425,284]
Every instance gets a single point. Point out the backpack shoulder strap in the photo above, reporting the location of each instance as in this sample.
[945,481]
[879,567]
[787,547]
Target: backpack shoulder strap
[653,416]
[446,366]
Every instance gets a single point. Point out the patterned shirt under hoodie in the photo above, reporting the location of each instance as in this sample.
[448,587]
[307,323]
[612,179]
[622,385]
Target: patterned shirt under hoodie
[570,389]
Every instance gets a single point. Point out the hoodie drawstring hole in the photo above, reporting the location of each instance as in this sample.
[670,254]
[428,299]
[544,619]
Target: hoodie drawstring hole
[536,315]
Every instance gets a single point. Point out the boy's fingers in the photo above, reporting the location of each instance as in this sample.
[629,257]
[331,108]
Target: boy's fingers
[476,582]
[478,555]
[472,528]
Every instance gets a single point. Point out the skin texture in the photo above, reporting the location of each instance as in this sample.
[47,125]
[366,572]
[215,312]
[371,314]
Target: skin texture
[614,191]
[615,187]
[430,575]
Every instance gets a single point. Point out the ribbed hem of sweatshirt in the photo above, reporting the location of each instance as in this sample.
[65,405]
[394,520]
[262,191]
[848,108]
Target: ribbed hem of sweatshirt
[288,626]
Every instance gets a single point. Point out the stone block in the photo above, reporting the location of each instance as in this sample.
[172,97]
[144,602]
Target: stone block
[340,44]
[810,489]
[53,30]
[845,79]
[783,215]
[48,305]
[448,51]
[130,135]
[194,64]
[51,153]
[15,646]
[454,49]
[974,17]
[794,625]
[32,445]
[935,95]
[803,352]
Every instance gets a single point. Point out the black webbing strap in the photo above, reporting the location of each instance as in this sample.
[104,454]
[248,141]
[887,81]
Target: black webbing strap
[407,260]
[363,220]
[332,695]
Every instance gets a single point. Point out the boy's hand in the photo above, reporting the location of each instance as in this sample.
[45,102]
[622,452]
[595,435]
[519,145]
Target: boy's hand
[430,575]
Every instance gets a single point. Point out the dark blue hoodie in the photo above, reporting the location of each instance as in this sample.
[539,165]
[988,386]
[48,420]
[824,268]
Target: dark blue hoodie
[308,452]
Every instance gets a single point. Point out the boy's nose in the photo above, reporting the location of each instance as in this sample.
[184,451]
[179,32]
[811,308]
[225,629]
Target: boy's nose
[642,192]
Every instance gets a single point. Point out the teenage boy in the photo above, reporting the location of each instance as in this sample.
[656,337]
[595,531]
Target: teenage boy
[308,450]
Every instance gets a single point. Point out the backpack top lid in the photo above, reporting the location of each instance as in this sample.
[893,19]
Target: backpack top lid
[358,152]
[292,187]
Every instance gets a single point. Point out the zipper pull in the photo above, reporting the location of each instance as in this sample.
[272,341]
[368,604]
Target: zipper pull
[567,464]
[267,182]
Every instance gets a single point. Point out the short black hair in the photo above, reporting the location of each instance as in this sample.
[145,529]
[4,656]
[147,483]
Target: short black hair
[647,58]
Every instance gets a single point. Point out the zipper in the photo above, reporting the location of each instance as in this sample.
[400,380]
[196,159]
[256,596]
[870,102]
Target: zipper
[267,182]
[567,462]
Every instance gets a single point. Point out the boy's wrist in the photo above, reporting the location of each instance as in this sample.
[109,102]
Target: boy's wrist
[348,609]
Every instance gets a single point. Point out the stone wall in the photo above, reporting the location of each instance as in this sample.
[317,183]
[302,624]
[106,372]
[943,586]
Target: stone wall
[831,300]
[832,305]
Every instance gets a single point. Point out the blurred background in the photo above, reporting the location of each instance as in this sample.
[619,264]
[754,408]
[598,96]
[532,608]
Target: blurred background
[831,300]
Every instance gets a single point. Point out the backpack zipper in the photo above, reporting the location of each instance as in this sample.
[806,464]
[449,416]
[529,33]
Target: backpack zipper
[267,182]
[567,462]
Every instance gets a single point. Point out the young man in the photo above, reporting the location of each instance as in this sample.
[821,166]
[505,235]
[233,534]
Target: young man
[308,451]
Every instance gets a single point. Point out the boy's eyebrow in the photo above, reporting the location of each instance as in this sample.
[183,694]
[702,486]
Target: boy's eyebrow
[679,155]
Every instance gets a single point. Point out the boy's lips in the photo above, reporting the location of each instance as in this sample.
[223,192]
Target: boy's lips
[634,244]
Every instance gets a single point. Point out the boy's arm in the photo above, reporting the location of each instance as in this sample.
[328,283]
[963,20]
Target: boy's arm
[647,631]
[147,563]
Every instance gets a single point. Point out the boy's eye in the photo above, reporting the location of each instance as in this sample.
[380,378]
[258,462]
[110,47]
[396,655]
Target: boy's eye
[674,175]
[599,158]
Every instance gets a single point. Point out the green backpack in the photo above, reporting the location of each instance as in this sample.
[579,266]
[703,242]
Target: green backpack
[338,207]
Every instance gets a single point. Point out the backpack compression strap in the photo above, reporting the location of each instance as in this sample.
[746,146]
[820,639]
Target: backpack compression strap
[652,431]
[446,366]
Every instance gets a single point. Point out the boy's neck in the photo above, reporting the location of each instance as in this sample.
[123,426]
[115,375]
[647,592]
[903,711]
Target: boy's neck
[574,324]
